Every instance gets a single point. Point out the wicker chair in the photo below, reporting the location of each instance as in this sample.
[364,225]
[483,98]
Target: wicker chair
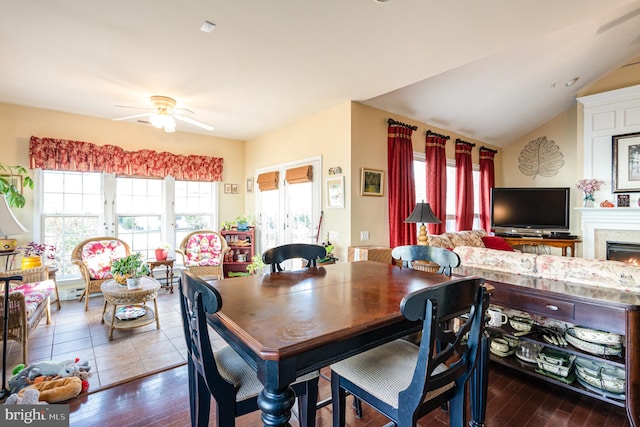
[29,301]
[203,253]
[94,257]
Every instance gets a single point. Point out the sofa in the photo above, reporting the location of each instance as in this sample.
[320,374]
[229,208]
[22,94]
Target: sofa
[479,250]
[29,302]
[590,272]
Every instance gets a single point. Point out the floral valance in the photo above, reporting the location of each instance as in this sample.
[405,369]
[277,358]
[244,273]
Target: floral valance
[78,156]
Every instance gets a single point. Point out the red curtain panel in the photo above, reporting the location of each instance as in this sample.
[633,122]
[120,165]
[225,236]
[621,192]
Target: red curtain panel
[402,188]
[487,182]
[464,186]
[436,166]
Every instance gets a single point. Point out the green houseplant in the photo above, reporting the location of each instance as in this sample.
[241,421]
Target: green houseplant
[130,267]
[256,264]
[12,180]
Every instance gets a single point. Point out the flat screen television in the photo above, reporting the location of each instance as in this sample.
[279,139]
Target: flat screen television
[530,208]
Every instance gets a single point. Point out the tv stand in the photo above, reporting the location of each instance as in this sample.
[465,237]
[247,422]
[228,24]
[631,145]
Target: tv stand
[524,241]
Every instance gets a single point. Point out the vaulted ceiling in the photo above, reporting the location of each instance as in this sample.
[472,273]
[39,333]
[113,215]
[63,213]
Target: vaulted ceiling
[492,70]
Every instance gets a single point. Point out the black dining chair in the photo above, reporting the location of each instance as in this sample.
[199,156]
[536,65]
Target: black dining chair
[445,258]
[279,254]
[224,374]
[405,381]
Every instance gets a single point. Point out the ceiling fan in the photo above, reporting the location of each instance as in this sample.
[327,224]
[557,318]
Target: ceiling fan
[164,115]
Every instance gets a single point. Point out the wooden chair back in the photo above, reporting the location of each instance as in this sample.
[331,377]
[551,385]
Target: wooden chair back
[310,253]
[445,258]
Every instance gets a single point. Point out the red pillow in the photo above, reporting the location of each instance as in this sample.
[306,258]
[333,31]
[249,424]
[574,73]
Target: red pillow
[496,242]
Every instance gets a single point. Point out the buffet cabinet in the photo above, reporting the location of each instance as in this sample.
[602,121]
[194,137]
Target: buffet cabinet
[601,309]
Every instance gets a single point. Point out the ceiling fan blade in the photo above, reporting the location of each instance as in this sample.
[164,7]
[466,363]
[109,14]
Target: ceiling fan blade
[193,122]
[135,107]
[132,117]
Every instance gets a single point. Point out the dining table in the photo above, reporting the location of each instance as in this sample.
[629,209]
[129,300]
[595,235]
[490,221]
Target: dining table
[291,323]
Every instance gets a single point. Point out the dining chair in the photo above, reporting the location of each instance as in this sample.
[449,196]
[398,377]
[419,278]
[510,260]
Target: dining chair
[224,374]
[203,252]
[310,253]
[405,381]
[445,258]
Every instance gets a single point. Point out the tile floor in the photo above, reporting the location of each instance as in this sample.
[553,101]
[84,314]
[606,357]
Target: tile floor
[132,352]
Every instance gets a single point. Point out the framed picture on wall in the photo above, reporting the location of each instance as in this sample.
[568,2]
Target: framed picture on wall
[626,163]
[335,192]
[227,188]
[371,182]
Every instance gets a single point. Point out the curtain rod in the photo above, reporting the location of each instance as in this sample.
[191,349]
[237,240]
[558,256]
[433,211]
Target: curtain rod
[458,140]
[394,122]
[430,132]
[488,149]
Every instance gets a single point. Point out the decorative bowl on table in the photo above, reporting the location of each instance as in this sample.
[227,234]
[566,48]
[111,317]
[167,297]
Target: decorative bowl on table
[590,347]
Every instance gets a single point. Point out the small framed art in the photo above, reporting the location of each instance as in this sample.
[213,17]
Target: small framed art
[371,182]
[249,185]
[235,189]
[227,188]
[335,192]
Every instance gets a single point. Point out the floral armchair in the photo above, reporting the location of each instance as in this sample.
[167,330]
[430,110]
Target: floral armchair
[203,253]
[94,257]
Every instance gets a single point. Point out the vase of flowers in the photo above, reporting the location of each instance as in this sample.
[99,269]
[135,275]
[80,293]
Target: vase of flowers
[34,253]
[588,187]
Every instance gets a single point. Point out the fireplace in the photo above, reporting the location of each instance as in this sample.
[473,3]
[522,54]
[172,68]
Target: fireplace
[628,252]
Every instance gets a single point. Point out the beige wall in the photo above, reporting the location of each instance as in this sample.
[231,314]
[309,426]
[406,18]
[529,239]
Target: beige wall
[326,134]
[18,124]
[369,145]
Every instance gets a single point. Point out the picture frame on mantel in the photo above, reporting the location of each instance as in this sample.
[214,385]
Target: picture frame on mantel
[626,163]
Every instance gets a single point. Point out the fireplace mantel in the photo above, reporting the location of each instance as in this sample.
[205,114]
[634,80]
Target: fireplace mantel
[618,219]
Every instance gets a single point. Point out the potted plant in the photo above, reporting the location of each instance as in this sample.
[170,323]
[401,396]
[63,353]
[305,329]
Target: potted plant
[129,270]
[162,251]
[32,254]
[243,221]
[256,264]
[12,180]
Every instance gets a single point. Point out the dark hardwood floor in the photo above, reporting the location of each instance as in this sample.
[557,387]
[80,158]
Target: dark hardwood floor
[514,401]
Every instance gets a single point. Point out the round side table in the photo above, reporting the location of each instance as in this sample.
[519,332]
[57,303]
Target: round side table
[119,295]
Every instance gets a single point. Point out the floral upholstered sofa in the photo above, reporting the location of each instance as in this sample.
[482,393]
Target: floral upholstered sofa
[459,238]
[591,272]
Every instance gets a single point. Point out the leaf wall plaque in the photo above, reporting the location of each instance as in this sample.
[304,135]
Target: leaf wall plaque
[540,157]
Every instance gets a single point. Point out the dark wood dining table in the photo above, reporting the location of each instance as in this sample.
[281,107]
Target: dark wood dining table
[291,323]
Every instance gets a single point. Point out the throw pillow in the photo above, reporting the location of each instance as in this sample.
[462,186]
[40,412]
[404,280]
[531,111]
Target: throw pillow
[496,242]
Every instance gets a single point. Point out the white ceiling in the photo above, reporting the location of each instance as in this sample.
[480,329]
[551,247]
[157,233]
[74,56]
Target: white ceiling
[480,68]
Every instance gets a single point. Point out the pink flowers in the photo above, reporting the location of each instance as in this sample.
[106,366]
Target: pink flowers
[39,249]
[589,186]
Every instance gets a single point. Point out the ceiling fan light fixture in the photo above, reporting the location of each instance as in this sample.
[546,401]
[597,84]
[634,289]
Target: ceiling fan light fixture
[156,120]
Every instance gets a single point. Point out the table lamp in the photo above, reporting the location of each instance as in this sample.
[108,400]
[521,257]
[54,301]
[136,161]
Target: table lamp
[9,226]
[423,214]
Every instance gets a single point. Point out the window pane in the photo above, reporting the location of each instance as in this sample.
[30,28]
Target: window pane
[193,208]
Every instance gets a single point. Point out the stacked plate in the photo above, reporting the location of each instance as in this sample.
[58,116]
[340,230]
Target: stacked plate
[503,346]
[601,377]
[594,341]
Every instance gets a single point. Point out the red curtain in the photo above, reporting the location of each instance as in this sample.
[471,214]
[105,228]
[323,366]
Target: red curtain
[402,187]
[436,166]
[78,156]
[487,182]
[464,186]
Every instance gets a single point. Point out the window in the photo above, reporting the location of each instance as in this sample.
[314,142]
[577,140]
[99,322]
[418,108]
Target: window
[72,211]
[421,189]
[141,211]
[194,208]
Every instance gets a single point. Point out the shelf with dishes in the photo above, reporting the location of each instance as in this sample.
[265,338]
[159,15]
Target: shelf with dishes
[583,359]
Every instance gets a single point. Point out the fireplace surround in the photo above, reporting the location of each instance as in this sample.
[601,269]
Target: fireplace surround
[628,252]
[600,225]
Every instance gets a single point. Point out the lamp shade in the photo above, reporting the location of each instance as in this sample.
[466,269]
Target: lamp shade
[423,214]
[9,226]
